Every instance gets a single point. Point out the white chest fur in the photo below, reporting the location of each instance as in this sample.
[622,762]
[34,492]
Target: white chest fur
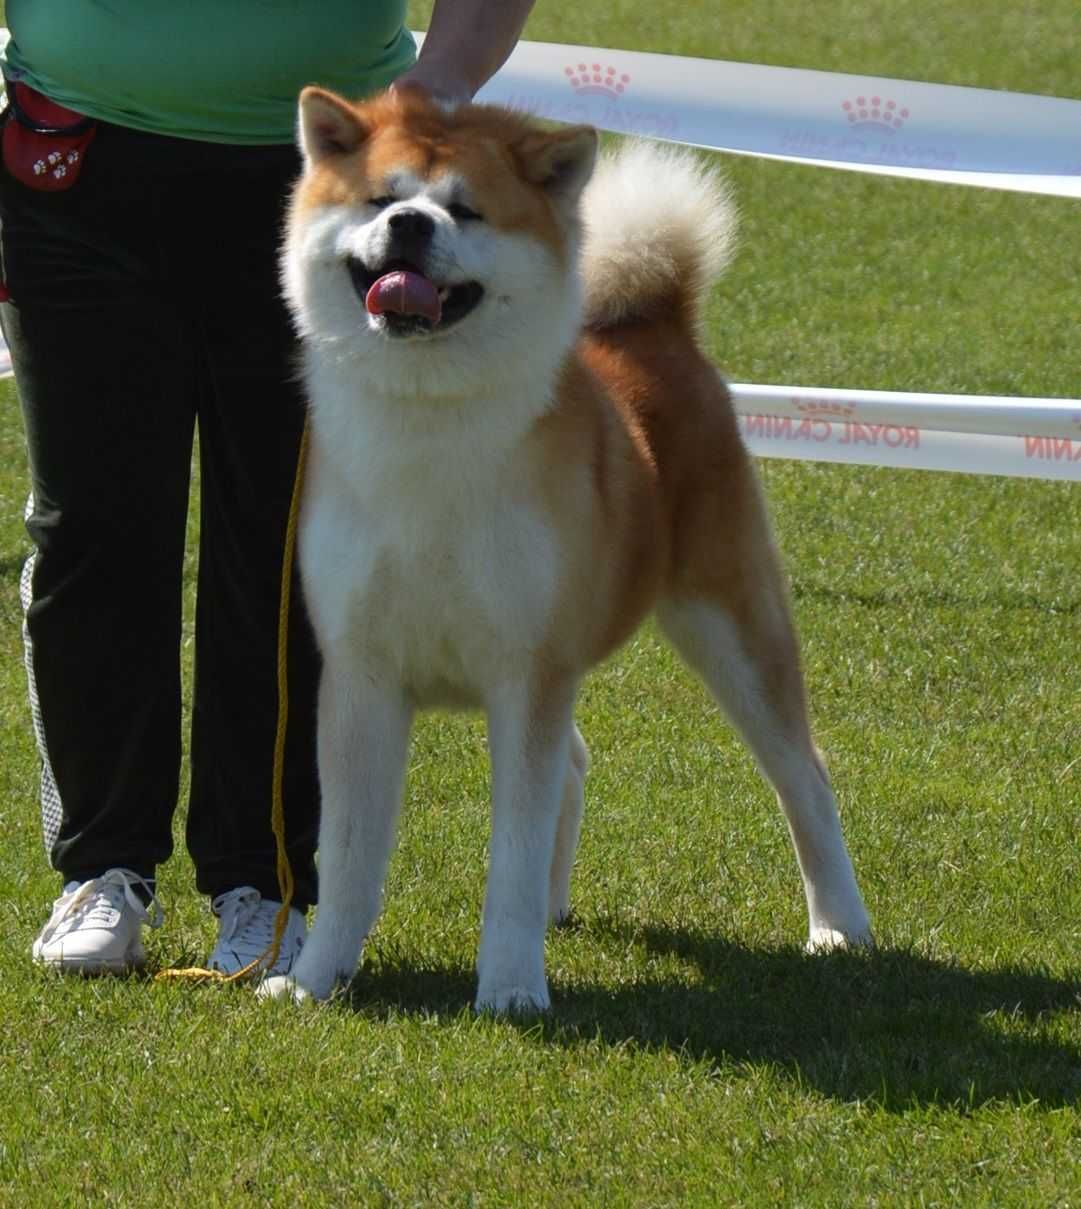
[422,558]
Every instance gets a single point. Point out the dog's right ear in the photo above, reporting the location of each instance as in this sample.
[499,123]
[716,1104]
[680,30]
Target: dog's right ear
[328,125]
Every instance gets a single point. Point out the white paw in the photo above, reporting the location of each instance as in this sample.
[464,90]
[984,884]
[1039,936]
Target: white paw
[282,986]
[826,940]
[512,1000]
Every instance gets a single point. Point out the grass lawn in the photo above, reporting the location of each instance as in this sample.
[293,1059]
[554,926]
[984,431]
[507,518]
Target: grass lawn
[694,1055]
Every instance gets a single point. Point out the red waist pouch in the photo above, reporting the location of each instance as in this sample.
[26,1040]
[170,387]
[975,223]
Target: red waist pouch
[44,143]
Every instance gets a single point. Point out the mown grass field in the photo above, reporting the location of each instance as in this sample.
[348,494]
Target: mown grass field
[694,1055]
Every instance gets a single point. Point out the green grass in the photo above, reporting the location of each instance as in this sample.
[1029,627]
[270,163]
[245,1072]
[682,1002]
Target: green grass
[694,1055]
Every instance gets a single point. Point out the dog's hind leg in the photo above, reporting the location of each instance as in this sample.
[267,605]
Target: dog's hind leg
[530,733]
[363,745]
[570,822]
[750,662]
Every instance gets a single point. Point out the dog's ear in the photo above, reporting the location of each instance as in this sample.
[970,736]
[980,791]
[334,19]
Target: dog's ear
[559,161]
[328,125]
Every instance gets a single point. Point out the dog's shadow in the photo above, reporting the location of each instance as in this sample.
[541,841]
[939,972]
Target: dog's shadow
[890,1027]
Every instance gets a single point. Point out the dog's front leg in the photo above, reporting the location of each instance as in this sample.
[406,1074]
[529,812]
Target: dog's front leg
[529,734]
[364,728]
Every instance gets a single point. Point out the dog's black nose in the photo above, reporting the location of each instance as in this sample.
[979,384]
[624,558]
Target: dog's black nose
[412,225]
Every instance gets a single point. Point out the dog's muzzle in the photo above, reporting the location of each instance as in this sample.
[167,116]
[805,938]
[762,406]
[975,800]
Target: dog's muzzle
[399,289]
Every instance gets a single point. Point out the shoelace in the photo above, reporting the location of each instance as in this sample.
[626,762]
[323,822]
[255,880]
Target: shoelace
[243,925]
[97,901]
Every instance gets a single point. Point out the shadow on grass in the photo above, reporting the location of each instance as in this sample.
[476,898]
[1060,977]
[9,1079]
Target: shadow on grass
[890,1027]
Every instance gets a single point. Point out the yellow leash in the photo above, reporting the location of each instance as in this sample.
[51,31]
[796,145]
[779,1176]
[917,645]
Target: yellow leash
[277,808]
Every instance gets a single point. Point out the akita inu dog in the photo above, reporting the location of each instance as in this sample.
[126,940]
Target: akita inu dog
[518,451]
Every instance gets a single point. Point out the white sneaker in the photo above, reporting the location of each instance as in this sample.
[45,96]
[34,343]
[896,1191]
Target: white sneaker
[246,932]
[95,926]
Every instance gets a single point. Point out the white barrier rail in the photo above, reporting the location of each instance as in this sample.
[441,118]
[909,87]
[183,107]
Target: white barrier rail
[992,415]
[1030,438]
[935,132]
[917,449]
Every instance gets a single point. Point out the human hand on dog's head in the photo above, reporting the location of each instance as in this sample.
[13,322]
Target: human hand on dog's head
[443,84]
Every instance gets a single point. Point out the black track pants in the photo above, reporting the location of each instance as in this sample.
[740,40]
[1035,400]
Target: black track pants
[144,301]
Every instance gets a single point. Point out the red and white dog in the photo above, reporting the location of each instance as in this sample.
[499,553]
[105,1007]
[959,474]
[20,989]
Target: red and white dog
[517,452]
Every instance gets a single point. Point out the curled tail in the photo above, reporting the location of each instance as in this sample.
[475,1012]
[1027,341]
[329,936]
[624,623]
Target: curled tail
[660,227]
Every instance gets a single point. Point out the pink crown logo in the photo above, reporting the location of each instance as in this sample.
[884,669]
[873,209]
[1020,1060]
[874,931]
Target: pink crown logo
[592,79]
[827,410]
[879,114]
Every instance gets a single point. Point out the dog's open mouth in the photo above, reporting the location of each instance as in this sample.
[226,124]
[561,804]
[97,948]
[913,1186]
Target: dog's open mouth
[411,303]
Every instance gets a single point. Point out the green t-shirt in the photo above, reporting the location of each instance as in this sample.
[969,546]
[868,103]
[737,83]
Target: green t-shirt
[224,71]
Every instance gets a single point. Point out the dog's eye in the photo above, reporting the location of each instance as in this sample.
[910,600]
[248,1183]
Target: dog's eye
[380,203]
[462,213]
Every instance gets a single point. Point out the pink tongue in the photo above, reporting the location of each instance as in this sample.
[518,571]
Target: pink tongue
[404,293]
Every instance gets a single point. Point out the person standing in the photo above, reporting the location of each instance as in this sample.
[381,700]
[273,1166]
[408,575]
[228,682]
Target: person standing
[148,152]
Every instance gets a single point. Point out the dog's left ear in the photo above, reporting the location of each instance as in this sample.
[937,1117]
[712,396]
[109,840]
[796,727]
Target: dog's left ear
[328,125]
[560,161]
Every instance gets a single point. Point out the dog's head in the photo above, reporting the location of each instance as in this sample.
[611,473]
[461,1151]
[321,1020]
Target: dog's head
[436,247]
